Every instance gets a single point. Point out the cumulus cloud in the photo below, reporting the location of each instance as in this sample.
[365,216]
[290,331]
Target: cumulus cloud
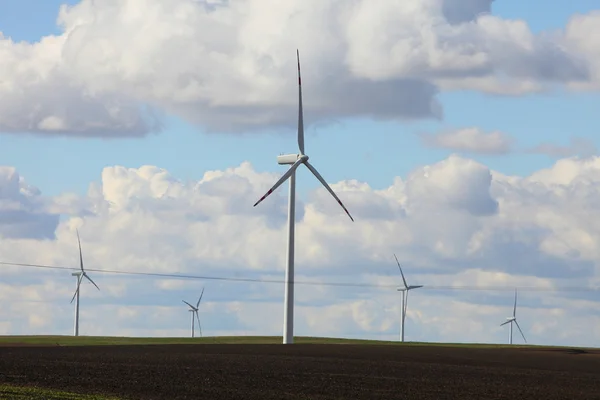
[472,140]
[40,96]
[581,36]
[24,213]
[577,147]
[452,223]
[119,65]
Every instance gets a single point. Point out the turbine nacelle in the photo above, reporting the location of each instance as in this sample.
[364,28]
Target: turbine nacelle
[290,159]
[192,308]
[403,289]
[287,159]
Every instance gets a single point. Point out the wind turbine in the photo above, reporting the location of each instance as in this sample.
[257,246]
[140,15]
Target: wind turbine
[194,311]
[295,160]
[513,319]
[404,291]
[80,275]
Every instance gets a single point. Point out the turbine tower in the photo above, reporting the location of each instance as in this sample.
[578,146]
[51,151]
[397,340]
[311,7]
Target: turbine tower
[80,275]
[295,160]
[512,319]
[404,290]
[194,311]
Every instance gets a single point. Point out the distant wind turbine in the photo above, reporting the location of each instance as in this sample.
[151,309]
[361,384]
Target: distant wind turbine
[194,311]
[512,319]
[80,275]
[404,291]
[295,160]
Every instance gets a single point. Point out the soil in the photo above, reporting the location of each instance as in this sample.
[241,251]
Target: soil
[306,371]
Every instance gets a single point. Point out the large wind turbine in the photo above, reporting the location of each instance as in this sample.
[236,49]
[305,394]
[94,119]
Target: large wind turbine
[80,275]
[194,311]
[513,319]
[295,160]
[404,290]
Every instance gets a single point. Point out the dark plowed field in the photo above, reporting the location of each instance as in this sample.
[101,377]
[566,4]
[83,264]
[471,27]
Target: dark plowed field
[305,371]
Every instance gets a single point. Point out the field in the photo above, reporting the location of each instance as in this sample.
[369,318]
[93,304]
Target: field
[58,367]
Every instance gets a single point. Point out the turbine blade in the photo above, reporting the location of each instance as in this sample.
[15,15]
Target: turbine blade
[74,294]
[77,289]
[504,323]
[199,326]
[401,273]
[415,286]
[515,306]
[320,178]
[520,330]
[198,304]
[90,279]
[80,254]
[281,180]
[191,306]
[300,111]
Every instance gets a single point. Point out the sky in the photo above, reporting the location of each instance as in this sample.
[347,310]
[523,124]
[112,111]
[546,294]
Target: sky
[460,134]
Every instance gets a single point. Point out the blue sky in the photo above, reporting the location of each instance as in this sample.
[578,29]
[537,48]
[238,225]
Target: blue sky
[364,150]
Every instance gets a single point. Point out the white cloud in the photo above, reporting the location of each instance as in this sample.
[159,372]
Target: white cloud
[39,95]
[452,223]
[472,140]
[23,212]
[577,147]
[118,65]
[582,37]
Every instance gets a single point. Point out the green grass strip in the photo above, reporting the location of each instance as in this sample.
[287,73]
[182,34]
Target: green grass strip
[36,393]
[110,340]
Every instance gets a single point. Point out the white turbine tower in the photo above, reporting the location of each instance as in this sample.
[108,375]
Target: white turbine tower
[80,275]
[194,311]
[404,290]
[295,160]
[512,319]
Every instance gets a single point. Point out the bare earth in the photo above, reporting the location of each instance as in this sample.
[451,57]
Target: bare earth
[306,371]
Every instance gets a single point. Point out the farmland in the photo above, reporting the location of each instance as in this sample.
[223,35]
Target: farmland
[56,367]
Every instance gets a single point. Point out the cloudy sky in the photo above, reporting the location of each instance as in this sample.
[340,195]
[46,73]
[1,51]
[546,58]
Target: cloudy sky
[461,134]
